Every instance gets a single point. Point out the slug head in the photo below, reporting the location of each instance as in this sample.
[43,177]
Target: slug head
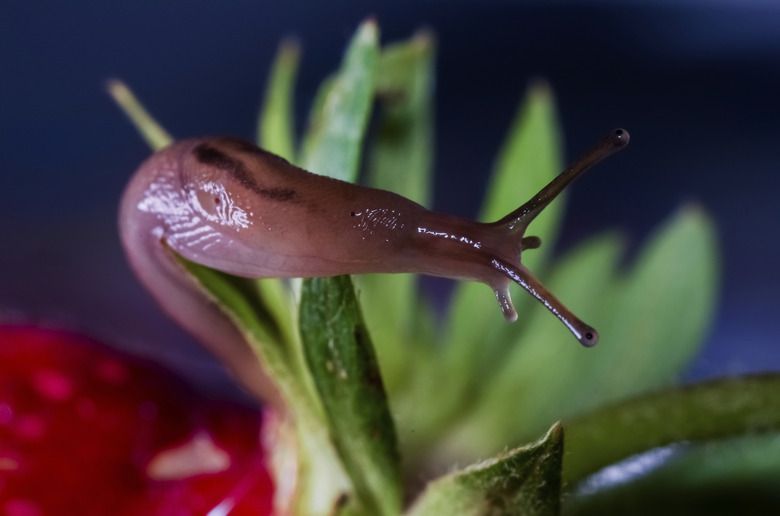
[515,224]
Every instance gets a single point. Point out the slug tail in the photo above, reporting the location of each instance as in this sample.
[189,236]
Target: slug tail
[585,334]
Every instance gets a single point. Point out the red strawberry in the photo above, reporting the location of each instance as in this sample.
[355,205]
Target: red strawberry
[86,430]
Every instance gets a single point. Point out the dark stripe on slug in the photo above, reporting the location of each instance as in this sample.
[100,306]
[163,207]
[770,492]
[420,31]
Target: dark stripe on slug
[212,156]
[208,155]
[251,148]
[277,194]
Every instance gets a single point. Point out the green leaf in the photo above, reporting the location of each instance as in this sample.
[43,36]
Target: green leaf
[308,463]
[156,137]
[333,141]
[335,343]
[475,337]
[401,153]
[276,134]
[400,161]
[672,280]
[276,122]
[320,478]
[710,410]
[663,309]
[528,160]
[342,362]
[338,122]
[243,301]
[524,481]
[730,476]
[548,375]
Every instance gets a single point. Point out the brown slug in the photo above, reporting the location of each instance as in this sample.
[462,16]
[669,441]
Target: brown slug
[232,206]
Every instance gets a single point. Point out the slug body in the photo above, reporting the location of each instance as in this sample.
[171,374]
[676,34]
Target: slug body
[232,206]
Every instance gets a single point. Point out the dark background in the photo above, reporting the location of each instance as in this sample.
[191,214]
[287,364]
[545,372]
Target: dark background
[696,84]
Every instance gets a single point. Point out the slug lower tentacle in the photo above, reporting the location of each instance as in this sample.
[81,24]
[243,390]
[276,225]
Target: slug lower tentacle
[232,206]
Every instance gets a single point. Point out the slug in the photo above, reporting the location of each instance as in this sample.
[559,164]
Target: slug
[229,205]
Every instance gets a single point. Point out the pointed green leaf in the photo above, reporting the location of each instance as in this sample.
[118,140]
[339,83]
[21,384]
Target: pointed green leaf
[547,375]
[276,134]
[332,145]
[476,332]
[275,130]
[710,410]
[342,362]
[401,153]
[333,141]
[400,161]
[317,491]
[664,307]
[524,481]
[320,478]
[335,343]
[528,160]
[316,119]
[156,137]
[243,303]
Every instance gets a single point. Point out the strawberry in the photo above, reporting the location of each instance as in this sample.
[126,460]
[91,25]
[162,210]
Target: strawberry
[87,430]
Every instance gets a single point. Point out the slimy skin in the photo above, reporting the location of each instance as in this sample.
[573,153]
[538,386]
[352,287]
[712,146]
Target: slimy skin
[232,206]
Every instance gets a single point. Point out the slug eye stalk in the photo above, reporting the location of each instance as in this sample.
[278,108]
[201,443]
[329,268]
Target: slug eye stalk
[517,222]
[519,219]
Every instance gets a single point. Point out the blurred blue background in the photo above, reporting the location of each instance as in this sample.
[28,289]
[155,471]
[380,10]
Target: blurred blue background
[696,84]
